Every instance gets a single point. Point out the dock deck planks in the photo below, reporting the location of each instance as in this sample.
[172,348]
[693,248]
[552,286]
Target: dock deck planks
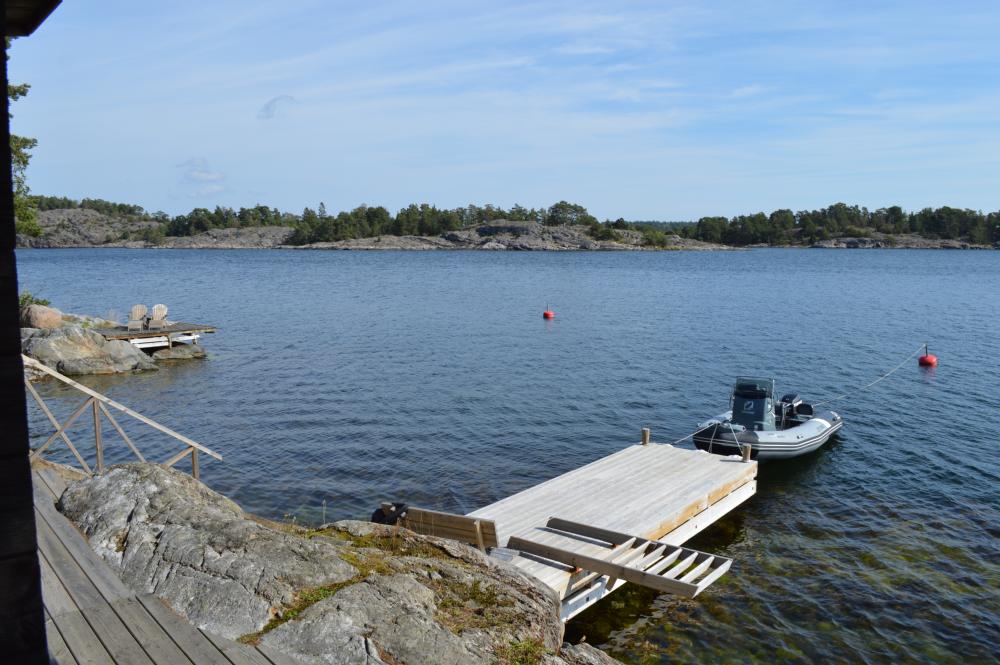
[92,617]
[653,491]
[172,329]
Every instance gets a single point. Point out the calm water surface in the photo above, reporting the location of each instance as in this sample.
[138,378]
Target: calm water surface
[353,377]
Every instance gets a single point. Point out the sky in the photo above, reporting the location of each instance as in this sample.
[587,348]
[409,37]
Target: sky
[641,110]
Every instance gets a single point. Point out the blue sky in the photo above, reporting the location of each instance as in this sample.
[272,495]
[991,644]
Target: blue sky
[646,110]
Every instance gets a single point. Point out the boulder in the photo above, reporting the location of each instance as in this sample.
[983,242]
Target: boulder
[40,316]
[348,593]
[179,352]
[74,350]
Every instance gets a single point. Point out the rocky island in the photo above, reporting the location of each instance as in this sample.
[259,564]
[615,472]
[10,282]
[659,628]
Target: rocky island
[343,593]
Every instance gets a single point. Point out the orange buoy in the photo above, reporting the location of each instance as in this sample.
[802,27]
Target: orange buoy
[928,359]
[548,314]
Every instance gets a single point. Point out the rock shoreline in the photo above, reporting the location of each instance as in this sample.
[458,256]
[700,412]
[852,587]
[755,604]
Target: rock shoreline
[344,593]
[68,344]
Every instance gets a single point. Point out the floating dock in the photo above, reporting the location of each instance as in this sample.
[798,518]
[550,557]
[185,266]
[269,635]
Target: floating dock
[622,518]
[154,338]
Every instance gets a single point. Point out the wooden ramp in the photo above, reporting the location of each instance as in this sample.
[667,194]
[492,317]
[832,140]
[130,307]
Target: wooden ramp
[92,617]
[656,495]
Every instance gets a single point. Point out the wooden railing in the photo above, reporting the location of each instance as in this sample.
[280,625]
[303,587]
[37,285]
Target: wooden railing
[99,404]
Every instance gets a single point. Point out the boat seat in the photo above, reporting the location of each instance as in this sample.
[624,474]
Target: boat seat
[804,409]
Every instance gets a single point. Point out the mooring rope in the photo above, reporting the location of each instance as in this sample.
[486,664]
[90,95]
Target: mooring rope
[869,385]
[832,399]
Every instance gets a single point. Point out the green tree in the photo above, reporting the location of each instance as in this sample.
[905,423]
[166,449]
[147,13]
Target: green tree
[20,154]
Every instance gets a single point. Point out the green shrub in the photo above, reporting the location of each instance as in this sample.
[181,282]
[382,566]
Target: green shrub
[28,298]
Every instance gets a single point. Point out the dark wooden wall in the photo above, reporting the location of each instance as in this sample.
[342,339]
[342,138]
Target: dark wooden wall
[22,626]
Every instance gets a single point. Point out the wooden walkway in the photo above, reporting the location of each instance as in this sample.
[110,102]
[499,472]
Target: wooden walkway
[92,617]
[655,492]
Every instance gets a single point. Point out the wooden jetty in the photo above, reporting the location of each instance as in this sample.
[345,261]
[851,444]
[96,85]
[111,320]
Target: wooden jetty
[166,336]
[622,518]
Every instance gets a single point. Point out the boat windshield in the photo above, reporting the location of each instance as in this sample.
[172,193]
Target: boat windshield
[753,388]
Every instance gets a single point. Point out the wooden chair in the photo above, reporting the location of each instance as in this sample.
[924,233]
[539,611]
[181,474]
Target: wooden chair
[136,317]
[159,318]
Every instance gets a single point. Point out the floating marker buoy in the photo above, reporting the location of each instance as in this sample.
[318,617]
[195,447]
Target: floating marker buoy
[548,314]
[928,359]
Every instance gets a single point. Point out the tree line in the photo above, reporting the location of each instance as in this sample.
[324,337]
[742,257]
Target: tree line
[784,227]
[781,227]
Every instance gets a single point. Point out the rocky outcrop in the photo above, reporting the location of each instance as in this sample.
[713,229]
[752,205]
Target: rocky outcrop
[40,316]
[902,241]
[75,350]
[518,236]
[346,593]
[80,227]
[256,237]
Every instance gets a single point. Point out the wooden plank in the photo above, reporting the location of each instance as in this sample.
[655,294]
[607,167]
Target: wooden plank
[98,439]
[178,457]
[698,569]
[612,570]
[55,482]
[56,599]
[115,636]
[239,654]
[122,433]
[191,641]
[449,525]
[587,530]
[80,588]
[155,641]
[59,653]
[81,640]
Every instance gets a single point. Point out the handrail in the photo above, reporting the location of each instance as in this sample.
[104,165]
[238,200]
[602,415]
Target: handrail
[99,404]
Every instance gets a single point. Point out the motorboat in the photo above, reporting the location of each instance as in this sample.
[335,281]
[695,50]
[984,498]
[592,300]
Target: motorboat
[773,429]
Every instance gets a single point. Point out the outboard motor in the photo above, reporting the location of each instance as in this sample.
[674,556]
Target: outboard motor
[389,513]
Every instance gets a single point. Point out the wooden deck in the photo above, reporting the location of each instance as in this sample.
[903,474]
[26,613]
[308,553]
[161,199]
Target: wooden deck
[653,491]
[173,329]
[92,617]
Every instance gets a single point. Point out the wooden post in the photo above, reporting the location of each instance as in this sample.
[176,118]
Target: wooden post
[746,452]
[98,440]
[194,463]
[479,536]
[645,436]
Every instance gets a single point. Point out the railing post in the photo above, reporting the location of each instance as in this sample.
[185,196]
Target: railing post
[98,440]
[194,463]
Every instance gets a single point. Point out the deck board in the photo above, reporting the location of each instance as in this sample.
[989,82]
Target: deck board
[173,329]
[646,491]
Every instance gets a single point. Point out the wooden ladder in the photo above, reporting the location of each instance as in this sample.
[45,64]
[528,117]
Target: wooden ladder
[648,563]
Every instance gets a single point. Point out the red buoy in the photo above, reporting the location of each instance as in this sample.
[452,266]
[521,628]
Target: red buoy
[928,359]
[548,314]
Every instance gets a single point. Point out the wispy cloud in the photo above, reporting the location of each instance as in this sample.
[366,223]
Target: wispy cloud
[199,179]
[270,108]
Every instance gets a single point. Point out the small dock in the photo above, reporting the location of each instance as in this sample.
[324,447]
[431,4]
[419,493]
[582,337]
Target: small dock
[623,514]
[166,336]
[622,518]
